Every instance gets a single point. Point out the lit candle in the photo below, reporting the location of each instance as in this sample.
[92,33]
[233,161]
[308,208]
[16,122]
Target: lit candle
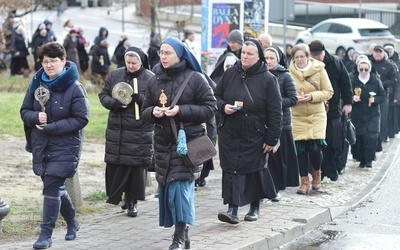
[371,95]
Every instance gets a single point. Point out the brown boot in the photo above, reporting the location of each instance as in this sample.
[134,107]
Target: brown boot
[304,185]
[316,179]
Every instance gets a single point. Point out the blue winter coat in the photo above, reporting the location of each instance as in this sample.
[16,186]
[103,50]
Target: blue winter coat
[56,149]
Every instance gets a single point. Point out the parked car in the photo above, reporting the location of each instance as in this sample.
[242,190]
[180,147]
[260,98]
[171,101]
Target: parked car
[338,34]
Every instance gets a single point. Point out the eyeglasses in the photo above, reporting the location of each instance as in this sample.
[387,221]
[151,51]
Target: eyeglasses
[299,57]
[364,69]
[50,62]
[164,53]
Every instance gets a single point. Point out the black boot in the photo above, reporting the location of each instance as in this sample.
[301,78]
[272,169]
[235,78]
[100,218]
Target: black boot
[51,208]
[132,208]
[229,216]
[177,242]
[68,212]
[252,215]
[124,204]
[187,239]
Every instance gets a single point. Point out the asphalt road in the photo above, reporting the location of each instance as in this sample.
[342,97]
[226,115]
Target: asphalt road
[373,224]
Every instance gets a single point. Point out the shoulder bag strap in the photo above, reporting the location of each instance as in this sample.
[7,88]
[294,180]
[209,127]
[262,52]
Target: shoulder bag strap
[178,95]
[251,98]
[308,79]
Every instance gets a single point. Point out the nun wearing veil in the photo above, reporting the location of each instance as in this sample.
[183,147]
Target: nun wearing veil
[283,165]
[250,107]
[196,105]
[129,150]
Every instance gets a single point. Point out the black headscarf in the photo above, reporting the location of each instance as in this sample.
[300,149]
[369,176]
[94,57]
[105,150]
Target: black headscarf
[140,53]
[259,48]
[281,57]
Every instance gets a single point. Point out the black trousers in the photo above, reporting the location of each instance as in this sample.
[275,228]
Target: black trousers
[365,147]
[332,163]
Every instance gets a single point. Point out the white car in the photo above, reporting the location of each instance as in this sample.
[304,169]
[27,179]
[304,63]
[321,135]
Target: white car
[339,34]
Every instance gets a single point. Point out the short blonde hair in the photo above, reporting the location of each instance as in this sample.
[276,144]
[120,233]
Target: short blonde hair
[301,46]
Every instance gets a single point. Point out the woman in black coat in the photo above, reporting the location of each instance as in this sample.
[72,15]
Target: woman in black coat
[54,133]
[82,53]
[128,139]
[283,165]
[366,115]
[195,106]
[100,60]
[38,41]
[250,106]
[19,63]
[119,52]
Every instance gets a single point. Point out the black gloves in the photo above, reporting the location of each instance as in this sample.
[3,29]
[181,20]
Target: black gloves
[117,105]
[138,98]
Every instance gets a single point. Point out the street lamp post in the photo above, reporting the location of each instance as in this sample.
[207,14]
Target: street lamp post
[123,16]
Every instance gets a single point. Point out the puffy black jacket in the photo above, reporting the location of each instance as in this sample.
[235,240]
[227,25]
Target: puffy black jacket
[387,73]
[98,52]
[241,135]
[368,118]
[128,141]
[342,92]
[56,148]
[289,95]
[197,104]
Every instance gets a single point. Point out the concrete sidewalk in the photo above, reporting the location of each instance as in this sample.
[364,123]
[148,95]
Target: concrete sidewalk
[279,222]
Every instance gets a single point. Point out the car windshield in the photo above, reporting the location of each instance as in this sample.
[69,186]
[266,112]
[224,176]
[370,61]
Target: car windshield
[374,32]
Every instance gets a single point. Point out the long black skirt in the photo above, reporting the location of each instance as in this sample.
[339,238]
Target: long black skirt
[243,189]
[283,164]
[18,64]
[130,180]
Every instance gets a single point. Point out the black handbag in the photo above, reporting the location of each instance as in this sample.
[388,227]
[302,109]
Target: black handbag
[200,149]
[350,131]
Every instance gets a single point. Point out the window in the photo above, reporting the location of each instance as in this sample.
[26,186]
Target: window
[374,32]
[339,28]
[322,28]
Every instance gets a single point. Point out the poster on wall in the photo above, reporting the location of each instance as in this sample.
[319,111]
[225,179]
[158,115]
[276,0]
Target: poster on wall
[220,17]
[225,18]
[254,18]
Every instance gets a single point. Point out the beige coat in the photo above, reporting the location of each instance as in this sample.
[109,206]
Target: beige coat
[309,119]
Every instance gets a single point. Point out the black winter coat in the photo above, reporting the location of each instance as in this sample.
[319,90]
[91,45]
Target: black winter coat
[81,47]
[368,119]
[219,66]
[97,52]
[340,81]
[20,46]
[119,53]
[288,93]
[241,135]
[387,73]
[128,141]
[197,105]
[56,149]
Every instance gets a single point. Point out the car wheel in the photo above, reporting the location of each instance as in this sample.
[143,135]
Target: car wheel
[341,52]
